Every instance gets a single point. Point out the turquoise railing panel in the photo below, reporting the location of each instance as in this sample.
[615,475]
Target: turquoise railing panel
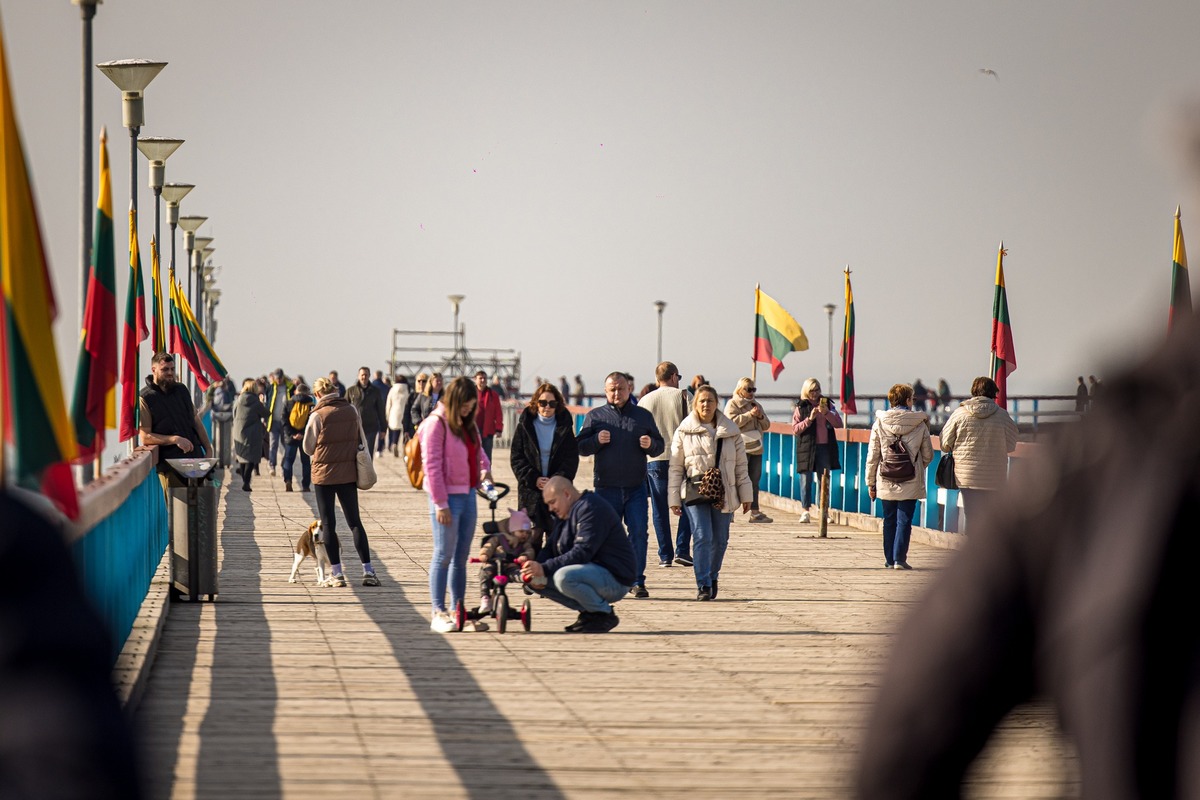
[118,557]
[207,420]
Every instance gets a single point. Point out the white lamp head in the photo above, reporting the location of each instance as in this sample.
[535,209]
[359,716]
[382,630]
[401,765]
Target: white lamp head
[157,149]
[132,76]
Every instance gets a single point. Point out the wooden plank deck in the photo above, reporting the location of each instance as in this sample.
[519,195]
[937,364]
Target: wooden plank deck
[287,690]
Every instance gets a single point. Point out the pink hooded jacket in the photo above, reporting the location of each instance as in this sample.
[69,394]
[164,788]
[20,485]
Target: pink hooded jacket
[445,459]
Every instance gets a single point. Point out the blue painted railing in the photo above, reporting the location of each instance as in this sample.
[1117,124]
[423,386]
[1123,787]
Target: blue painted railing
[120,539]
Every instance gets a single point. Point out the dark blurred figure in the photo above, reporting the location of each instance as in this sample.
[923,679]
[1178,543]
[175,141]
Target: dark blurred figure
[1081,396]
[1077,585]
[62,732]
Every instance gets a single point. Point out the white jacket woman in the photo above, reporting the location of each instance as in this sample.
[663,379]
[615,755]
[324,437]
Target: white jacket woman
[912,427]
[693,451]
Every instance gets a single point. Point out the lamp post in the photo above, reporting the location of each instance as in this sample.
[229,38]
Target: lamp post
[87,11]
[173,193]
[132,76]
[189,225]
[205,267]
[660,305]
[456,301]
[157,149]
[829,309]
[199,244]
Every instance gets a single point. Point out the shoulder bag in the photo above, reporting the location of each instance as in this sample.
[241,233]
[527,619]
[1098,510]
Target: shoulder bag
[945,472]
[363,466]
[708,488]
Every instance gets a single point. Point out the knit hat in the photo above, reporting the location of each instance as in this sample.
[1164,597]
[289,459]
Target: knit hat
[518,520]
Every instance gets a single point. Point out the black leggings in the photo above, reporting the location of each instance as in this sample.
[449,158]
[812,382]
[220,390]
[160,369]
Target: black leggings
[754,467]
[347,496]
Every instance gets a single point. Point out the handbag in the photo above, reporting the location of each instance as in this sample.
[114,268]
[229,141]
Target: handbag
[364,468]
[944,477]
[708,487]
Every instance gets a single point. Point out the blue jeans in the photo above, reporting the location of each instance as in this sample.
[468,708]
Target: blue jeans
[289,462]
[584,587]
[276,440]
[809,481]
[451,550]
[897,529]
[486,441]
[656,480]
[710,538]
[630,505]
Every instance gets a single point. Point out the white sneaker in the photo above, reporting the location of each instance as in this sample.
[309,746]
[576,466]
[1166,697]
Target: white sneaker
[272,472]
[485,604]
[804,517]
[475,625]
[442,622]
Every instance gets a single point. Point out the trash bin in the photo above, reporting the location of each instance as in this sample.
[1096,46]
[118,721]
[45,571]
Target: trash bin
[193,530]
[223,437]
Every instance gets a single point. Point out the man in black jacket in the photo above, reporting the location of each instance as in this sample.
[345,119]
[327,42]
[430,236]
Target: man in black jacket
[371,407]
[586,564]
[167,416]
[621,436]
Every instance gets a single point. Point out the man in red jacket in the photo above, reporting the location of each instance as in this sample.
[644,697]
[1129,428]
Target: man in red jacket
[489,414]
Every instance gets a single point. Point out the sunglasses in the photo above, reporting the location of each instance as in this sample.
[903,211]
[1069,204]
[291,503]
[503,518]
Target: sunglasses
[751,389]
[547,403]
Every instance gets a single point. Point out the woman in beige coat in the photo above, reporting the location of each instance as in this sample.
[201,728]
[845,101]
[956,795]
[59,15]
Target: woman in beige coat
[707,438]
[899,499]
[980,435]
[748,415]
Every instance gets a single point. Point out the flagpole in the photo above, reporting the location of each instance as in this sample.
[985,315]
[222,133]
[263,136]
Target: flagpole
[754,340]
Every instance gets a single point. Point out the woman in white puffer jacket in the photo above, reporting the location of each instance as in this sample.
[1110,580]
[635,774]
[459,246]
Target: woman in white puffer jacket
[980,435]
[693,451]
[899,498]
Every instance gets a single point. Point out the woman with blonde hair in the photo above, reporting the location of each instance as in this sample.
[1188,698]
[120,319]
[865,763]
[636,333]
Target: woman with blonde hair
[249,415]
[745,412]
[813,423]
[332,437]
[705,439]
[910,427]
[455,463]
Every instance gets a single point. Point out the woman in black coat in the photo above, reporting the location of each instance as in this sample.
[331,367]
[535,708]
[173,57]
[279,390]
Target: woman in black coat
[543,446]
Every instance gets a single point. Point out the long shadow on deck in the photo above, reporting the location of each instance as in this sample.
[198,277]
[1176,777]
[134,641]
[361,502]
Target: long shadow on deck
[241,711]
[478,741]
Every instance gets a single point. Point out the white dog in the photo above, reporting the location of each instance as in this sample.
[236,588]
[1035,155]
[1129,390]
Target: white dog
[312,543]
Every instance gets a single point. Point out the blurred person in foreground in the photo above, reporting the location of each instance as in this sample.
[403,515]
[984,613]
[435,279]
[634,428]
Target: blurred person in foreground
[1069,589]
[62,731]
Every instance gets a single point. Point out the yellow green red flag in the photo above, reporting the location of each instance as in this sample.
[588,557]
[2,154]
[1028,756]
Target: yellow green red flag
[776,333]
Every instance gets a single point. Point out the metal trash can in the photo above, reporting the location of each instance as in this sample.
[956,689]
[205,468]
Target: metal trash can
[223,437]
[193,530]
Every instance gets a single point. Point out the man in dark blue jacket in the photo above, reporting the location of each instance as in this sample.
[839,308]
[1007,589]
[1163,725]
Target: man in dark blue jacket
[587,563]
[621,436]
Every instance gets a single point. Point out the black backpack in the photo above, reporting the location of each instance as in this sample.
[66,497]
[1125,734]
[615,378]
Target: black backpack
[897,465]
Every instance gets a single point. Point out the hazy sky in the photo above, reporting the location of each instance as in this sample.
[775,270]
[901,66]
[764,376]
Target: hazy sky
[564,165]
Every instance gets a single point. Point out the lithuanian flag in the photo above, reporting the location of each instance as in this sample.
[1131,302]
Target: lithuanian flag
[1004,354]
[181,335]
[160,335]
[34,413]
[206,357]
[848,404]
[1181,289]
[93,407]
[135,333]
[776,333]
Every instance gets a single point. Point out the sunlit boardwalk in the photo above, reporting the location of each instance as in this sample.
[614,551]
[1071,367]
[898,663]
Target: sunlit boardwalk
[288,690]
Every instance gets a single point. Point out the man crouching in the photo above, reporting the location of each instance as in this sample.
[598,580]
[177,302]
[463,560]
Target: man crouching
[587,563]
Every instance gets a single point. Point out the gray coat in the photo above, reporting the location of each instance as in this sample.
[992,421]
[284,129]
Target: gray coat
[249,415]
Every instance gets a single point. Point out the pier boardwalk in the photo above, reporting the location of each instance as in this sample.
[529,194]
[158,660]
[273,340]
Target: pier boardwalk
[282,690]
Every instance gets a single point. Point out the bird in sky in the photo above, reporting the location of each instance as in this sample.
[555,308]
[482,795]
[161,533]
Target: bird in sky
[986,71]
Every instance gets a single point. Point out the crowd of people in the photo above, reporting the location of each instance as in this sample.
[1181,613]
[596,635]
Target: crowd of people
[672,457]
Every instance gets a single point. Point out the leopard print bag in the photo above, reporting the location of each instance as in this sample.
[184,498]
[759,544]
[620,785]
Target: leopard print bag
[710,485]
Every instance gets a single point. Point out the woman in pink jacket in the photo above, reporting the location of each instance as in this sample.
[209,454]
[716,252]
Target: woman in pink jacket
[455,463]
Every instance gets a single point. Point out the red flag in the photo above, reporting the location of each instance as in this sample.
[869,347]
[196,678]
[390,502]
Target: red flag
[848,404]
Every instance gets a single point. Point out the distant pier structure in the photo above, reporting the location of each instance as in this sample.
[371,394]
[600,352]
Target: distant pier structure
[427,351]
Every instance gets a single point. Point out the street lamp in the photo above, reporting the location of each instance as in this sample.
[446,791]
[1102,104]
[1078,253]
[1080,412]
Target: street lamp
[456,301]
[87,11]
[173,193]
[132,76]
[199,243]
[189,225]
[660,305]
[205,260]
[157,150]
[829,309]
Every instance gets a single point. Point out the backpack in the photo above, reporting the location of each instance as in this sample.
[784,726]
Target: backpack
[298,416]
[897,465]
[413,462]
